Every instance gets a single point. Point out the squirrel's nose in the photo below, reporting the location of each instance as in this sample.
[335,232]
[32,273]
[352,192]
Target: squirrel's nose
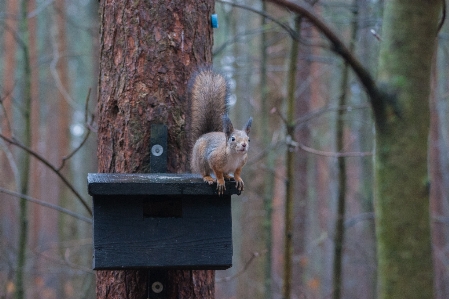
[244,144]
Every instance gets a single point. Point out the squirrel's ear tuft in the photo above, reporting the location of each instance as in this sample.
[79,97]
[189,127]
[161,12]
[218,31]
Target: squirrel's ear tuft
[247,127]
[228,128]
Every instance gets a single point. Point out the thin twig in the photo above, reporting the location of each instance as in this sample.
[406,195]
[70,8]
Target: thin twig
[440,219]
[51,258]
[377,96]
[87,125]
[291,32]
[72,264]
[274,110]
[5,113]
[55,74]
[358,218]
[51,167]
[443,16]
[314,114]
[260,155]
[304,119]
[333,154]
[39,9]
[16,36]
[255,255]
[65,158]
[287,28]
[11,161]
[235,39]
[46,204]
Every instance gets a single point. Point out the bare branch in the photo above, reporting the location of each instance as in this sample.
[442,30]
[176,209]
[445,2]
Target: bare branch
[49,255]
[51,167]
[46,204]
[293,34]
[16,36]
[87,125]
[314,114]
[72,264]
[11,161]
[55,74]
[443,16]
[376,95]
[5,113]
[287,28]
[358,218]
[376,35]
[235,39]
[255,255]
[274,145]
[275,110]
[39,9]
[333,154]
[301,121]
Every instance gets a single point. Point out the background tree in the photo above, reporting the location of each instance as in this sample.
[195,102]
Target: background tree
[402,181]
[43,255]
[339,235]
[401,144]
[25,137]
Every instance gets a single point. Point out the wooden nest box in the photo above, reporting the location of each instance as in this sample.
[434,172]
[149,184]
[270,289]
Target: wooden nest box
[160,220]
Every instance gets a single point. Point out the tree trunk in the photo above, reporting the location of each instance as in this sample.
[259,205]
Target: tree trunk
[269,160]
[25,134]
[35,211]
[302,160]
[339,235]
[59,70]
[148,51]
[9,49]
[289,163]
[61,78]
[9,64]
[402,186]
[437,199]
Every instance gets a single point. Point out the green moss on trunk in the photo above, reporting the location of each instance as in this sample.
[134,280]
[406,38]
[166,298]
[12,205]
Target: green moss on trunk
[402,198]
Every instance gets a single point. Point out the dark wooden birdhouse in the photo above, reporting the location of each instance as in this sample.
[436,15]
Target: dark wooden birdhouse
[160,220]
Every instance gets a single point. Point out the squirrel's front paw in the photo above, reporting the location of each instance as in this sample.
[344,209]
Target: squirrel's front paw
[221,187]
[208,179]
[228,177]
[239,184]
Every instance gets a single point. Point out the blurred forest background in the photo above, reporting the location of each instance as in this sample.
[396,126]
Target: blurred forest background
[48,84]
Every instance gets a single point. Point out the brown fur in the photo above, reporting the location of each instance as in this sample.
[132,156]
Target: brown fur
[219,149]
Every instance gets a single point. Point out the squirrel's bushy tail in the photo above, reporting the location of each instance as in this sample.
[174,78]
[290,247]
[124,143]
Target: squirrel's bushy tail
[208,95]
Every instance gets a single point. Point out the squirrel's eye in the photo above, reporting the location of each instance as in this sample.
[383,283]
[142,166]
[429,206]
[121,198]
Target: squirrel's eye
[249,140]
[232,138]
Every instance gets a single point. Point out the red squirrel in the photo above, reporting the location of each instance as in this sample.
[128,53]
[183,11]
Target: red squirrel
[218,148]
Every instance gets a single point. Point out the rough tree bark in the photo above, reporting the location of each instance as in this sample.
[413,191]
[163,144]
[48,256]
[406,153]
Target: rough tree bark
[148,51]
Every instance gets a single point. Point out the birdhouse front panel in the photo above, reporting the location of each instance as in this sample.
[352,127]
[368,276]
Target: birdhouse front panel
[137,225]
